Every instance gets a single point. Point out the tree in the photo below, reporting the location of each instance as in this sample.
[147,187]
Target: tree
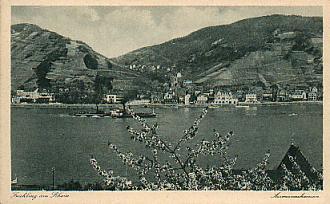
[300,42]
[102,84]
[90,62]
[182,172]
[128,95]
[275,89]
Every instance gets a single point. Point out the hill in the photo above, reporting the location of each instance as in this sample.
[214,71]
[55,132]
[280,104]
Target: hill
[274,49]
[46,60]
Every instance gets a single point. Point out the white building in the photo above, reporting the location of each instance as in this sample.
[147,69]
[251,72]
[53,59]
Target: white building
[139,102]
[267,95]
[110,98]
[168,96]
[27,94]
[225,98]
[251,98]
[299,95]
[312,96]
[33,96]
[187,99]
[314,89]
[201,99]
[286,35]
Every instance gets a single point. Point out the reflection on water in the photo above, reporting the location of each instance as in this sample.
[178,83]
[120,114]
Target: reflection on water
[46,138]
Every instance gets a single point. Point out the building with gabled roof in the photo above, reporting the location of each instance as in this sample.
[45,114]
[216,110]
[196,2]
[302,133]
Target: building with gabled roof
[295,153]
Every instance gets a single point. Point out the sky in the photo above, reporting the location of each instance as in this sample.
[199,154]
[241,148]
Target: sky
[116,30]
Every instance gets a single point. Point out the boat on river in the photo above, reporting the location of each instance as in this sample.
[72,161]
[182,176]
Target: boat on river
[121,113]
[84,115]
[117,113]
[293,114]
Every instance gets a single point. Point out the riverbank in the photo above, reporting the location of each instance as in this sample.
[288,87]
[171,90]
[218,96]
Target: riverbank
[239,104]
[62,105]
[154,105]
[282,103]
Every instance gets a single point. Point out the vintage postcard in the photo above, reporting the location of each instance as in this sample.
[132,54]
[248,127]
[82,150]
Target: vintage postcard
[186,101]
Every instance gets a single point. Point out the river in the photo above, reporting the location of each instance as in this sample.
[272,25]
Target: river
[50,137]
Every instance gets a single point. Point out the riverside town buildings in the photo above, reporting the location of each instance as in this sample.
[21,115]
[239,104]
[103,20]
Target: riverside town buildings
[224,98]
[33,97]
[187,99]
[298,95]
[139,102]
[112,98]
[251,98]
[179,90]
[312,96]
[202,99]
[190,96]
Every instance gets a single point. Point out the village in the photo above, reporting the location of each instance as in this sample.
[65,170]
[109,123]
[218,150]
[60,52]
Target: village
[185,92]
[178,88]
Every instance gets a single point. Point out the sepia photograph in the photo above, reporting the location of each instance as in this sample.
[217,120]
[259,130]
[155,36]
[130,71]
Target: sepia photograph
[166,98]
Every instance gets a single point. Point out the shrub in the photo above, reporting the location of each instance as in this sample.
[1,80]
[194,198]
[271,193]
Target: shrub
[90,62]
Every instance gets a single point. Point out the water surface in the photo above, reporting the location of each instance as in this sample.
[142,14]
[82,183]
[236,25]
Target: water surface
[49,137]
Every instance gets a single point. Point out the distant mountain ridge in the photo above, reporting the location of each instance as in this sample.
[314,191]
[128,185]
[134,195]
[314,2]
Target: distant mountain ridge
[265,50]
[46,60]
[242,53]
